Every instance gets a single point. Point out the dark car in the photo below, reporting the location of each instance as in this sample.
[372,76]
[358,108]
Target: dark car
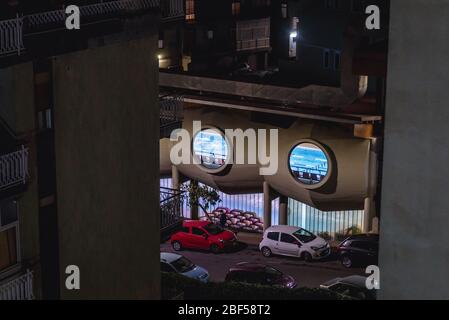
[352,286]
[359,250]
[255,273]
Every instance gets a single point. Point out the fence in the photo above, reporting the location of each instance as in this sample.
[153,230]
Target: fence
[332,224]
[11,37]
[13,168]
[171,209]
[20,288]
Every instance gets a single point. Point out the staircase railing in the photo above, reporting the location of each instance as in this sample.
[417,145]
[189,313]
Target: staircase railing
[170,207]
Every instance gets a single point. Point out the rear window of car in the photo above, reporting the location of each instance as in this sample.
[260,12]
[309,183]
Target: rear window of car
[273,236]
[365,245]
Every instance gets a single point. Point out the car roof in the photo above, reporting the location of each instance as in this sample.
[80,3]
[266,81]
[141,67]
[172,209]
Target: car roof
[169,257]
[195,223]
[286,229]
[355,280]
[248,266]
[364,237]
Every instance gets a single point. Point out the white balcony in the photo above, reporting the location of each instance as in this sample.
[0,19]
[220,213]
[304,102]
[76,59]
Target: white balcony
[13,168]
[19,288]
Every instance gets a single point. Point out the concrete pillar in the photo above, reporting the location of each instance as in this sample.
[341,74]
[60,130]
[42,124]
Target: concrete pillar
[368,215]
[266,205]
[283,210]
[194,209]
[175,178]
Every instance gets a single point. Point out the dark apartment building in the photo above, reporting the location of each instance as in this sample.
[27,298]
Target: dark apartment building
[79,149]
[220,35]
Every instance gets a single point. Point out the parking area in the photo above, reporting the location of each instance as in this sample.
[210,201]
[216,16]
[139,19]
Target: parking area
[308,274]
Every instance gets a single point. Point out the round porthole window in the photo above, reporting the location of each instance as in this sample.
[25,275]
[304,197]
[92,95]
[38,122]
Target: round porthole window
[308,163]
[210,148]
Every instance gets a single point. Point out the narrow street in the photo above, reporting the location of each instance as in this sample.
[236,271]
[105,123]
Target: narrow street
[310,274]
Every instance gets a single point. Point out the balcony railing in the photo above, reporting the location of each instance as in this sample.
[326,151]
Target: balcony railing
[20,288]
[171,208]
[92,11]
[172,9]
[13,168]
[11,31]
[253,34]
[11,38]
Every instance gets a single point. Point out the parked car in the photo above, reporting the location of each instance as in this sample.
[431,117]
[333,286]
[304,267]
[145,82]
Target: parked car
[176,263]
[241,69]
[359,250]
[203,235]
[259,274]
[293,241]
[352,286]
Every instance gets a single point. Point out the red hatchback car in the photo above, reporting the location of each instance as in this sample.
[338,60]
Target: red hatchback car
[202,235]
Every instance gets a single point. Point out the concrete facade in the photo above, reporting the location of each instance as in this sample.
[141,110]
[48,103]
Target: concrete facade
[414,250]
[107,156]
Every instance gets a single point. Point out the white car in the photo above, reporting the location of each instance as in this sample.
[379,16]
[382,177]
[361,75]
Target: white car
[293,241]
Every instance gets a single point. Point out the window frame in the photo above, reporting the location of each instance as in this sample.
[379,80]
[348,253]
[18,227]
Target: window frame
[16,224]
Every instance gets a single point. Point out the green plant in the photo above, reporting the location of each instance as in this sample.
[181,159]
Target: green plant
[201,196]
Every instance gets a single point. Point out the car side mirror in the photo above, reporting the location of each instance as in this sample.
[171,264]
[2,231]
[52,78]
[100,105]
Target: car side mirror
[205,236]
[298,244]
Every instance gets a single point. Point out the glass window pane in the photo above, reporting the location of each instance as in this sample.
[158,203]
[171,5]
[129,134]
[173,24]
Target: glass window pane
[308,163]
[8,212]
[211,148]
[8,248]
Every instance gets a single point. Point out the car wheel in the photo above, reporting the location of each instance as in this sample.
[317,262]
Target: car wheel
[215,248]
[176,245]
[346,261]
[307,257]
[266,252]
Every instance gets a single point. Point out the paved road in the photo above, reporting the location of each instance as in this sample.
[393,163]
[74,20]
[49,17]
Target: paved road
[310,274]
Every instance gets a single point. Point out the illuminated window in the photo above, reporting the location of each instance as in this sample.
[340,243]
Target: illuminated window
[190,10]
[236,8]
[308,163]
[211,148]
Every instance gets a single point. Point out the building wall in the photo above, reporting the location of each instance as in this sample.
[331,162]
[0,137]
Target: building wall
[106,136]
[17,109]
[414,250]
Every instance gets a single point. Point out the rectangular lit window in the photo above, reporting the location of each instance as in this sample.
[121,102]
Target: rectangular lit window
[236,8]
[284,10]
[190,10]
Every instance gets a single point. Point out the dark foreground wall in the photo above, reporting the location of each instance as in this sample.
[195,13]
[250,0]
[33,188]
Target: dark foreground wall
[107,134]
[414,247]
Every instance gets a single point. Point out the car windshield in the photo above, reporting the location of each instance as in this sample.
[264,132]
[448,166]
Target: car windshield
[213,229]
[183,265]
[304,236]
[272,272]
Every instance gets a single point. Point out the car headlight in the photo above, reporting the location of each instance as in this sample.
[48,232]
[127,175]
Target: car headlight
[315,248]
[221,240]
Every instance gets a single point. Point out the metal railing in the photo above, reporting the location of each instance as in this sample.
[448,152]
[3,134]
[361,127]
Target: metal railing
[171,110]
[91,11]
[20,288]
[11,31]
[11,36]
[13,168]
[171,208]
[172,9]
